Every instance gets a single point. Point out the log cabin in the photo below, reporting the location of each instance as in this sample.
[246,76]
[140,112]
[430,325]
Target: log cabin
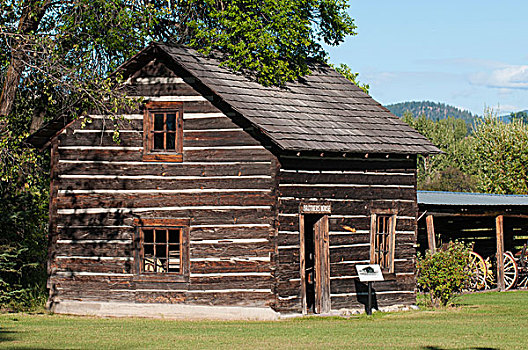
[225,198]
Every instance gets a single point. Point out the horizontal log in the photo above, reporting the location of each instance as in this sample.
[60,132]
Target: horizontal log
[288,256]
[226,266]
[234,182]
[256,299]
[364,193]
[361,178]
[349,254]
[163,200]
[94,249]
[286,288]
[104,233]
[287,240]
[227,155]
[230,232]
[95,295]
[109,281]
[218,138]
[201,217]
[336,240]
[230,250]
[230,282]
[89,265]
[167,169]
[109,154]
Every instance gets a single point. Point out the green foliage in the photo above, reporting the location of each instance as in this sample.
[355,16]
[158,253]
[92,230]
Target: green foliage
[443,275]
[347,72]
[448,171]
[272,39]
[432,110]
[501,155]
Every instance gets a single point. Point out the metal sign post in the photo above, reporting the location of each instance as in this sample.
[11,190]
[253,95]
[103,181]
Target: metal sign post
[369,273]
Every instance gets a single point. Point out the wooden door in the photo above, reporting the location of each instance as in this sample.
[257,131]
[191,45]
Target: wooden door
[322,266]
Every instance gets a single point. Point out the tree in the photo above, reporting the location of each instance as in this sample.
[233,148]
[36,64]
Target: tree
[65,44]
[451,171]
[347,72]
[501,155]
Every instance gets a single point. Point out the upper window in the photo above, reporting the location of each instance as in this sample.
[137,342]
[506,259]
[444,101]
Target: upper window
[163,132]
[382,240]
[162,247]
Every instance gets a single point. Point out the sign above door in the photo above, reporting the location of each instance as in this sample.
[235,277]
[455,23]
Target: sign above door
[315,208]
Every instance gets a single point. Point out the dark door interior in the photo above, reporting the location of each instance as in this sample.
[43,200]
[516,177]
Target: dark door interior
[309,261]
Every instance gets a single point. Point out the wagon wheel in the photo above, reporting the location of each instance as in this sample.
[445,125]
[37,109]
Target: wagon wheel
[522,265]
[510,271]
[478,270]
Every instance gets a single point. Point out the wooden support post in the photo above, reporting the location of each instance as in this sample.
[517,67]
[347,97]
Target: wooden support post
[430,233]
[499,225]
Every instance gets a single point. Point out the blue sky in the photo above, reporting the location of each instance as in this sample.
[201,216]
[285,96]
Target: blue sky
[467,53]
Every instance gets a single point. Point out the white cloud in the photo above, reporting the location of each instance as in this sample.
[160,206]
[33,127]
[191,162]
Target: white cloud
[511,77]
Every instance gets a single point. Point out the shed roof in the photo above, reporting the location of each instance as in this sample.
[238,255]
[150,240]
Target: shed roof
[322,111]
[469,199]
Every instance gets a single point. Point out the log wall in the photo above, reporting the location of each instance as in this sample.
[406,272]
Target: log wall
[225,185]
[353,187]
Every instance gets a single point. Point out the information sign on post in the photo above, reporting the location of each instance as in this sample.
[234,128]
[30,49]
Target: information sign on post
[369,273]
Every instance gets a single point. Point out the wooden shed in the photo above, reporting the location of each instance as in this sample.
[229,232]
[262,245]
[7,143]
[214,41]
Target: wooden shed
[491,223]
[223,193]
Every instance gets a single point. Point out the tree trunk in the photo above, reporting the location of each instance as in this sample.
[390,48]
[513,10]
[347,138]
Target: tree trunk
[32,13]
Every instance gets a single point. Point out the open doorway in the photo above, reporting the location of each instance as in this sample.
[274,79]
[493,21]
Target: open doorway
[315,263]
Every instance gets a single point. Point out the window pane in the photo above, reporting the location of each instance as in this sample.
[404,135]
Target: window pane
[148,250]
[171,122]
[174,236]
[171,141]
[174,258]
[148,236]
[161,236]
[149,265]
[161,265]
[158,122]
[158,141]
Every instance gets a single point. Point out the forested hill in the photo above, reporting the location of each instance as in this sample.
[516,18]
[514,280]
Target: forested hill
[432,110]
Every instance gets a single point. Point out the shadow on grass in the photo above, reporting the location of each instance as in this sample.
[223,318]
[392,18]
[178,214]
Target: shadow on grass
[6,336]
[11,336]
[470,348]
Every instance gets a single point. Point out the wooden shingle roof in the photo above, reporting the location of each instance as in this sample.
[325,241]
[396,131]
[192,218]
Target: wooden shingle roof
[322,111]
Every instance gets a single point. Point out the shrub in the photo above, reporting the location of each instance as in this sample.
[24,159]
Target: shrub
[443,275]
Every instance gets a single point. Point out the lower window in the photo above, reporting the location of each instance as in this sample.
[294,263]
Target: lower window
[160,250]
[162,247]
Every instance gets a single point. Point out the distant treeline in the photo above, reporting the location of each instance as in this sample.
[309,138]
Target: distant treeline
[436,111]
[432,110]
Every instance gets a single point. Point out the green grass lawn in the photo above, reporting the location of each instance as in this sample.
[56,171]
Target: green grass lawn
[482,321]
